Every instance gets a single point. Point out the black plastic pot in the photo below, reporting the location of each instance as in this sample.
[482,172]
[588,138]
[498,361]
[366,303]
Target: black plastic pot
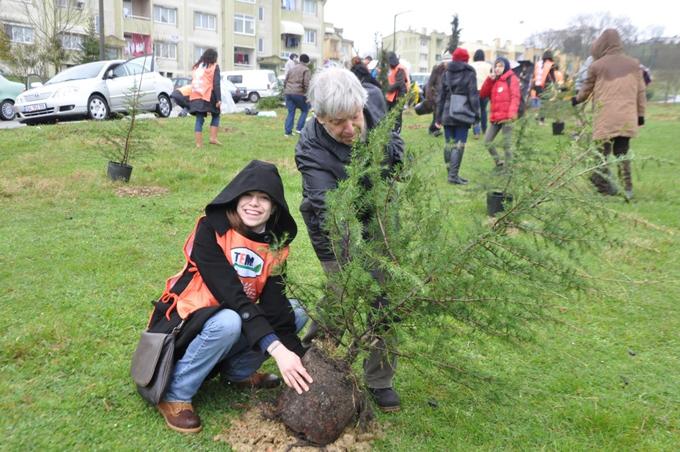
[495,202]
[119,171]
[557,128]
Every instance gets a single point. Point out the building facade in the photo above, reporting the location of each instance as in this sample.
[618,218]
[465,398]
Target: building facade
[247,34]
[336,48]
[418,49]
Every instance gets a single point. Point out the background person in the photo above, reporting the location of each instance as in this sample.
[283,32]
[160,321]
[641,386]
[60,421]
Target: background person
[483,69]
[181,98]
[236,312]
[290,63]
[502,88]
[617,87]
[398,86]
[206,96]
[295,87]
[432,91]
[458,109]
[345,110]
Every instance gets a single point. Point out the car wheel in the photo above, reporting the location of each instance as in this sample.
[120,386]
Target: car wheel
[164,106]
[253,97]
[97,108]
[7,110]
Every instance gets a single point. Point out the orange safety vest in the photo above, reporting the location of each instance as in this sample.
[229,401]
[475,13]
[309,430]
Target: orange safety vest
[392,78]
[253,261]
[185,90]
[202,82]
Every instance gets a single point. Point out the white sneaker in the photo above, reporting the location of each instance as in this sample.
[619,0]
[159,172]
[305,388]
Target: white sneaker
[297,131]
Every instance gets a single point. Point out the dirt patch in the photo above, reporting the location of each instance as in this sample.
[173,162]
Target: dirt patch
[140,192]
[255,430]
[416,126]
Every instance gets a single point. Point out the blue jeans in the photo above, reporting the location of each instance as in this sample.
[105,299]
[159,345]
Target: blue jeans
[482,116]
[200,118]
[220,341]
[294,101]
[458,134]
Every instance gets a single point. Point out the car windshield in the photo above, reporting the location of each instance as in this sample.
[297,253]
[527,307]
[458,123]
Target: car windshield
[81,72]
[230,86]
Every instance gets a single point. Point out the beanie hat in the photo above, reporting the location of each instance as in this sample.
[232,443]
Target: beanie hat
[479,55]
[547,55]
[460,54]
[304,58]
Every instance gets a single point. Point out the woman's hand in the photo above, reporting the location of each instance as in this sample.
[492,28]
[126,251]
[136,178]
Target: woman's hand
[218,104]
[293,372]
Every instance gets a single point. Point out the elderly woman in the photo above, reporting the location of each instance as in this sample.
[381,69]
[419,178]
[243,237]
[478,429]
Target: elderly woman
[346,110]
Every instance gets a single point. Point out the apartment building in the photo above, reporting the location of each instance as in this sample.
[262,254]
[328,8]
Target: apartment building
[336,48]
[419,49]
[247,34]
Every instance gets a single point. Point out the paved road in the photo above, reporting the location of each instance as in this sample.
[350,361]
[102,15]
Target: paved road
[240,107]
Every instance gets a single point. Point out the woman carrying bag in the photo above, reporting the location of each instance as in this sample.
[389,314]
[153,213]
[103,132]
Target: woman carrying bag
[231,297]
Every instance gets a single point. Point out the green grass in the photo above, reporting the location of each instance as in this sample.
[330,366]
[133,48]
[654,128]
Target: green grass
[80,264]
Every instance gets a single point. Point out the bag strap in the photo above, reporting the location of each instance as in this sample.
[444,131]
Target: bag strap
[175,331]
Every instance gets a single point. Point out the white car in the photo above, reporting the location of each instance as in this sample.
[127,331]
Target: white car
[95,90]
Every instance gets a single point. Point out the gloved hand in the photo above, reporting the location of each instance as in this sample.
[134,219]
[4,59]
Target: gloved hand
[574,102]
[641,120]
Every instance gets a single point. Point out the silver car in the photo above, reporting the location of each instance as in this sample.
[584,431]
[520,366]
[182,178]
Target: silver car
[95,90]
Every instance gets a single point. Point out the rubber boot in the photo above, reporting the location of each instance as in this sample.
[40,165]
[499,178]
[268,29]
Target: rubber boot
[448,149]
[198,136]
[454,166]
[213,135]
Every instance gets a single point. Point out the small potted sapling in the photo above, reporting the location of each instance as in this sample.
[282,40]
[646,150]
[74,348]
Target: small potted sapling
[128,137]
[556,106]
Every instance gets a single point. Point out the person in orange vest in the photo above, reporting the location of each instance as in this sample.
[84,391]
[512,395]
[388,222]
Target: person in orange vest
[181,98]
[231,296]
[205,95]
[544,76]
[399,83]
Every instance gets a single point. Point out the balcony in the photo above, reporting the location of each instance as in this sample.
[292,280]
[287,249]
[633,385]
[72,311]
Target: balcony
[137,16]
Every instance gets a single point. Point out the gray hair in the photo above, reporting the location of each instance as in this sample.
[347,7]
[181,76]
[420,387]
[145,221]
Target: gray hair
[336,92]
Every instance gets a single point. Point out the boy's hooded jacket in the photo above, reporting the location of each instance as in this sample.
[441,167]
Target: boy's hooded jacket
[216,283]
[504,92]
[618,89]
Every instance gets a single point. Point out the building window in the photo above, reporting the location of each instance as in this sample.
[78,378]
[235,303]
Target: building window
[246,1]
[310,36]
[291,41]
[19,33]
[205,21]
[62,3]
[70,41]
[309,7]
[164,15]
[260,13]
[199,51]
[260,45]
[242,56]
[165,50]
[244,24]
[288,5]
[127,8]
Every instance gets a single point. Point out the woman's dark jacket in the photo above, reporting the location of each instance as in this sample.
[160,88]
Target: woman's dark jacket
[322,161]
[201,106]
[459,78]
[272,313]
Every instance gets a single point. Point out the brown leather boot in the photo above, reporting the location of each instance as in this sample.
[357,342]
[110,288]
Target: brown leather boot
[213,135]
[180,416]
[199,139]
[258,381]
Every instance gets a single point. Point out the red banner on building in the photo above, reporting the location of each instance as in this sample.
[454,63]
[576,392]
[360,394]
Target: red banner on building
[138,45]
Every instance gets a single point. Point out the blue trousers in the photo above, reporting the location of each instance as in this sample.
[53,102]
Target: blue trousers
[293,102]
[458,134]
[220,341]
[200,118]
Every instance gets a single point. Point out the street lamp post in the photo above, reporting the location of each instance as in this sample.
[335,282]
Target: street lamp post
[394,30]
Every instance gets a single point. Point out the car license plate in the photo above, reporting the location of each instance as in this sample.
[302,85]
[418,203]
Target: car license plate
[34,107]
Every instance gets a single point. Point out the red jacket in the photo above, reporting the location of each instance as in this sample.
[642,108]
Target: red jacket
[505,94]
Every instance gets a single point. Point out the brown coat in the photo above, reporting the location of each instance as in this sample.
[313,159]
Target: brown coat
[297,80]
[617,88]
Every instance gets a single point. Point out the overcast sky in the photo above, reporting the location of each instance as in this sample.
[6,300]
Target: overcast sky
[486,20]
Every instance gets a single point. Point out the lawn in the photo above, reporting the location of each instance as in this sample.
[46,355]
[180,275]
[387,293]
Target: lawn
[81,259]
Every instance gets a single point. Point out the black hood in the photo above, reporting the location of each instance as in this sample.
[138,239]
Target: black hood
[256,176]
[458,66]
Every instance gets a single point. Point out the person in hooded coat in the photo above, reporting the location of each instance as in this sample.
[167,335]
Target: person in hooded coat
[503,89]
[458,109]
[231,296]
[345,111]
[616,85]
[432,91]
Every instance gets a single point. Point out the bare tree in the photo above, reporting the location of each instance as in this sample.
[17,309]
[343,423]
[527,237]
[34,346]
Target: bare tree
[52,22]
